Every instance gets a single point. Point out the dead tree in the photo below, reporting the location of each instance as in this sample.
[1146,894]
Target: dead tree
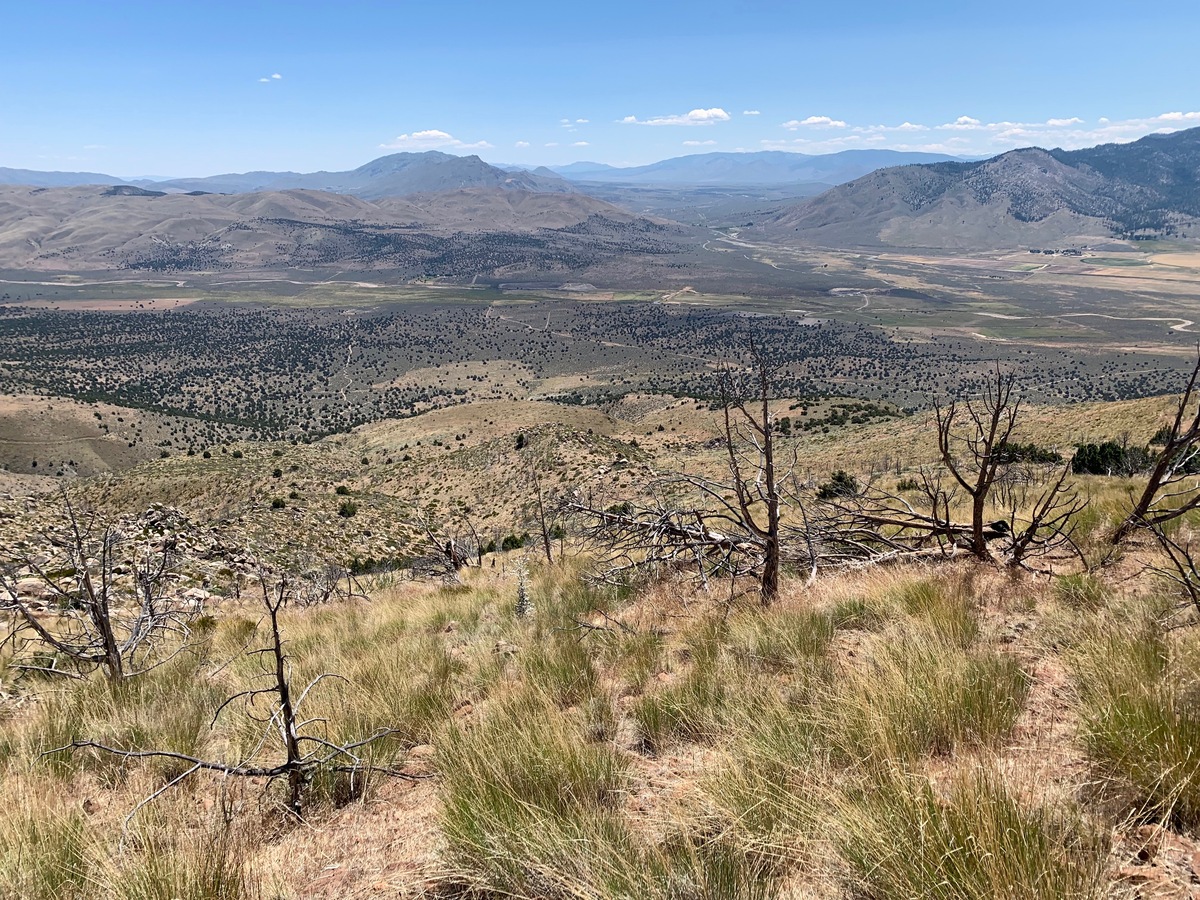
[446,551]
[543,521]
[96,618]
[749,437]
[653,539]
[303,754]
[1183,571]
[1041,508]
[971,434]
[323,582]
[877,525]
[1167,496]
[736,529]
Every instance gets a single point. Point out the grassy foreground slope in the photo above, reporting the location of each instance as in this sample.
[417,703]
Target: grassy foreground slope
[914,731]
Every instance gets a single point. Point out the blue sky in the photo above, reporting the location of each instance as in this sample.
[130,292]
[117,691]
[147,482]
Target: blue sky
[173,88]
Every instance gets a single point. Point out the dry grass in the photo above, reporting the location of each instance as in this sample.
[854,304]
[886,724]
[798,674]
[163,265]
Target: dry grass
[857,737]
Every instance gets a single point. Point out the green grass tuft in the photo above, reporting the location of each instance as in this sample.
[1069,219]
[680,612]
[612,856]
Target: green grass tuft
[902,839]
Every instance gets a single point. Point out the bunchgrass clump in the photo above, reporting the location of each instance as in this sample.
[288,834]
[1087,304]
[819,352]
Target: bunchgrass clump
[167,708]
[857,614]
[900,837]
[945,608]
[922,694]
[637,656]
[764,792]
[780,641]
[167,862]
[561,667]
[45,852]
[522,793]
[1081,591]
[1139,696]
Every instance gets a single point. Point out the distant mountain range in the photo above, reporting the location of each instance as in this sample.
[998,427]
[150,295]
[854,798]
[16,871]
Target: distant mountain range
[402,174]
[54,179]
[397,175]
[1146,189]
[772,167]
[433,213]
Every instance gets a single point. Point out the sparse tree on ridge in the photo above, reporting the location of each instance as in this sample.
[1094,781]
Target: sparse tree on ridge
[1170,490]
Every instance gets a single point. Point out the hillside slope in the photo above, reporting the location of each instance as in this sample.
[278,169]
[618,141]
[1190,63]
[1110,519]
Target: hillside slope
[469,231]
[1031,197]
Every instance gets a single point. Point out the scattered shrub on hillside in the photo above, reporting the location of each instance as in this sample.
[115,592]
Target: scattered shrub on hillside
[347,509]
[1015,452]
[342,490]
[1110,458]
[840,484]
[514,542]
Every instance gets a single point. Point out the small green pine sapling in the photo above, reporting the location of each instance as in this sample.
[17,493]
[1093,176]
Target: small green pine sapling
[524,601]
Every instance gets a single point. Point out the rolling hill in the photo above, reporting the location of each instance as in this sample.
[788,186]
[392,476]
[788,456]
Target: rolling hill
[471,231]
[1030,197]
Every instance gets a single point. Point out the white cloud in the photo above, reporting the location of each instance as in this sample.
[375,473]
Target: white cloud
[698,143]
[521,144]
[432,139]
[751,112]
[694,117]
[552,144]
[581,121]
[962,123]
[268,80]
[814,122]
[969,136]
[886,129]
[580,144]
